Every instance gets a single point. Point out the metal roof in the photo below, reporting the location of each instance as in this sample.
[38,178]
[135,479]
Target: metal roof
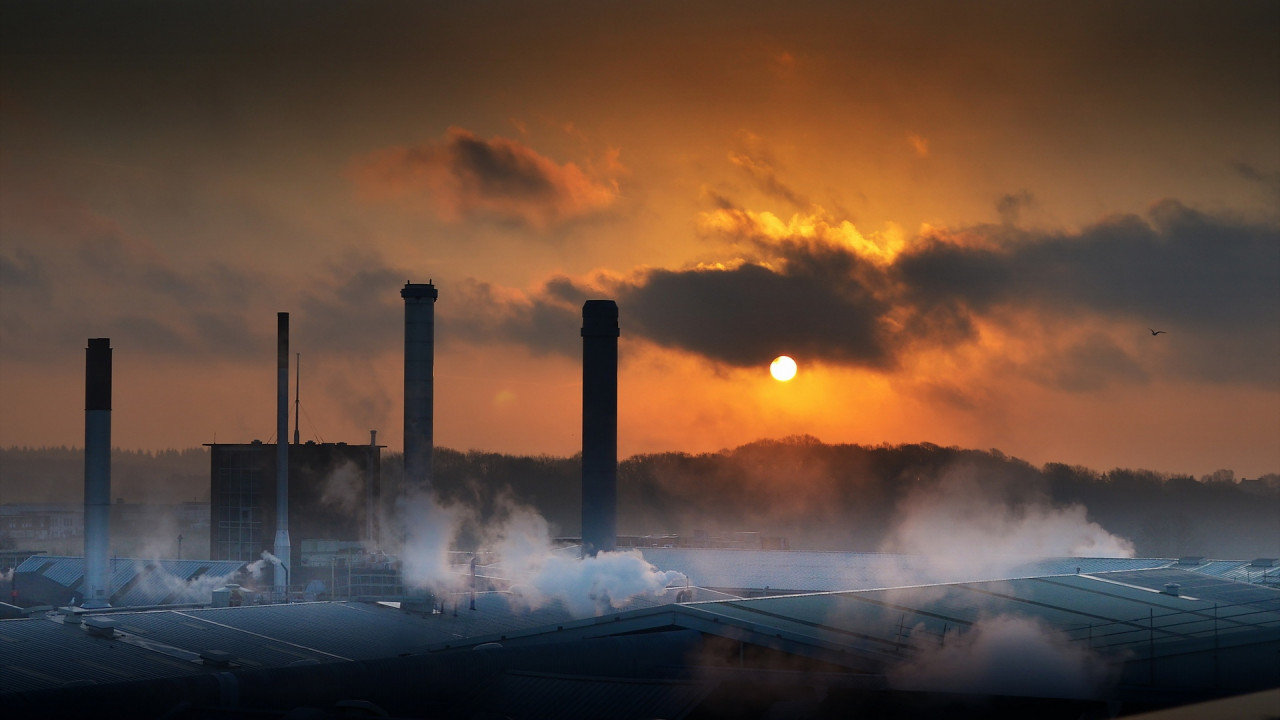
[138,582]
[860,629]
[797,571]
[1123,613]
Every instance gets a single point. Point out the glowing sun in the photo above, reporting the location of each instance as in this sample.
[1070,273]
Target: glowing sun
[782,368]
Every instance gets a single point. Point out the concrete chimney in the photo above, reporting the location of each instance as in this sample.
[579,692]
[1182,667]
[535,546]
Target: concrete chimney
[599,426]
[97,473]
[419,378]
[282,549]
[370,495]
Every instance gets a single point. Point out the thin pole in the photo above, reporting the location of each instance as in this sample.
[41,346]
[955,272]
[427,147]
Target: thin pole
[297,398]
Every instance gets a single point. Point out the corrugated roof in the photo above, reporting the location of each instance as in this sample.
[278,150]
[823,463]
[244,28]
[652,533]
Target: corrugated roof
[798,571]
[135,582]
[39,654]
[860,630]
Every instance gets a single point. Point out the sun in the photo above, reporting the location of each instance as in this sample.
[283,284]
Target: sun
[782,368]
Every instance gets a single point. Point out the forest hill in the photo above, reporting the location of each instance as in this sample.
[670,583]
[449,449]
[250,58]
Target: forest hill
[820,496]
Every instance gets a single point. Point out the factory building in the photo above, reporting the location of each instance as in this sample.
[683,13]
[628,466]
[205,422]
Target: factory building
[333,495]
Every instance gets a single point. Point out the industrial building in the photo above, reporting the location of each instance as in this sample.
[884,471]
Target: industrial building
[333,491]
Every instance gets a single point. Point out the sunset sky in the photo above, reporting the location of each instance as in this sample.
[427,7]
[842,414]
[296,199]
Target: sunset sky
[961,219]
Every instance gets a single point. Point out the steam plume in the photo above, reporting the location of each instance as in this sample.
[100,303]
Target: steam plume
[1004,655]
[968,526]
[519,541]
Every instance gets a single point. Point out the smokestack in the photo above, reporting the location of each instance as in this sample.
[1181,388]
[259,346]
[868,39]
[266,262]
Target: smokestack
[282,551]
[97,473]
[370,480]
[419,376]
[599,426]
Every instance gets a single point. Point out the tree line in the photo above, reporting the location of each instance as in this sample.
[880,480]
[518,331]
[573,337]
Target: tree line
[817,495]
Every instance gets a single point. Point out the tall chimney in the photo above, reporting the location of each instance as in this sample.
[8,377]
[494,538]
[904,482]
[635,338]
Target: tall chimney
[419,376]
[599,426]
[282,551]
[371,481]
[97,473]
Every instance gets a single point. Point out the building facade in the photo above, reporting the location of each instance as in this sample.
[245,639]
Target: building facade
[333,495]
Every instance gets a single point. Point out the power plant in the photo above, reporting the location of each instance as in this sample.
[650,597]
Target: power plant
[716,632]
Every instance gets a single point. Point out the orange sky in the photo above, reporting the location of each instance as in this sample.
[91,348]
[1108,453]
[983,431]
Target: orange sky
[960,219]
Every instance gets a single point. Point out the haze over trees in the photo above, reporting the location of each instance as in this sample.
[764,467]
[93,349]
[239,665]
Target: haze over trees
[819,496]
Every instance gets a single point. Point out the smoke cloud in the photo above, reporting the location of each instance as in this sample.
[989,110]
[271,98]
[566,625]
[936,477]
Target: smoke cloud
[517,541]
[967,524]
[1003,655]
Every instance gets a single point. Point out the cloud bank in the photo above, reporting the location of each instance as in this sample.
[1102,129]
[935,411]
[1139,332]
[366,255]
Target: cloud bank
[1075,306]
[464,177]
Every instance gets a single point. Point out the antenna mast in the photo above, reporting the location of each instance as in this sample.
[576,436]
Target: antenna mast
[297,384]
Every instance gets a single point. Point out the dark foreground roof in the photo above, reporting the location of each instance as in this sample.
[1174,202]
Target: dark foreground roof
[1130,637]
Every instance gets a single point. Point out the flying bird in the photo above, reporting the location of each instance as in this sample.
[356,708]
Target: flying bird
[1156,332]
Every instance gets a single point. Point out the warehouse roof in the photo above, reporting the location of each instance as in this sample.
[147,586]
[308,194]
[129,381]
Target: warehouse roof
[138,582]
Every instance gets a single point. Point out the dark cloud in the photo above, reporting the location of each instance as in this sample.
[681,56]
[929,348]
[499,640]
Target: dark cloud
[1179,266]
[1091,364]
[1010,206]
[549,323]
[1211,281]
[467,177]
[747,315]
[21,270]
[69,290]
[353,307]
[1268,181]
[500,169]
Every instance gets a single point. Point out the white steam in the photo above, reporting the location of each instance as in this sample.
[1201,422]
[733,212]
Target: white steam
[519,542]
[586,586]
[255,568]
[427,529]
[344,488]
[178,590]
[1003,655]
[965,527]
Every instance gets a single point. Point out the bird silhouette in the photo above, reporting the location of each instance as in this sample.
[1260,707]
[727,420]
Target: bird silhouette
[1156,332]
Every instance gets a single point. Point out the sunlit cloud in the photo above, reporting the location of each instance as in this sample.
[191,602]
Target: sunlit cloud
[466,177]
[765,229]
[1067,312]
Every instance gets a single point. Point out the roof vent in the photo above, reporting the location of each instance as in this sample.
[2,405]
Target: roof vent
[100,626]
[1191,560]
[217,658]
[1263,562]
[71,617]
[1173,589]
